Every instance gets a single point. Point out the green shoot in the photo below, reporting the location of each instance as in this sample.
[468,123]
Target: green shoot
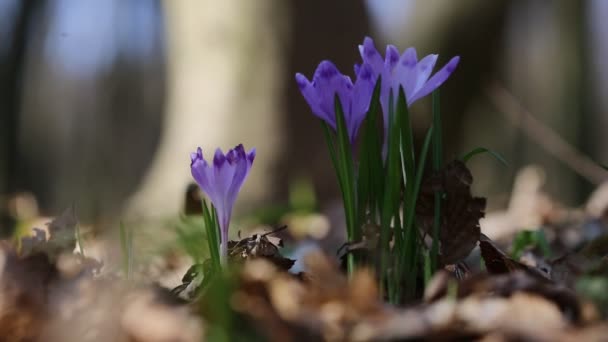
[126,244]
[479,150]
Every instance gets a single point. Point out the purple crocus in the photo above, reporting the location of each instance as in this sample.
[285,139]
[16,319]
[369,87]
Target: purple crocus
[221,181]
[404,70]
[327,81]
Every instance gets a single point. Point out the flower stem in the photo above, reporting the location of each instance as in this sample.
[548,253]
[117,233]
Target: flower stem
[225,224]
[224,250]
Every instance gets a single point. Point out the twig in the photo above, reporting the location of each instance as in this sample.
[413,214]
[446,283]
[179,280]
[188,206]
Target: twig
[276,230]
[544,136]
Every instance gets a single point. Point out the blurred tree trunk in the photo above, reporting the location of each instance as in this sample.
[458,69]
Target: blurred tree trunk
[87,134]
[225,65]
[536,50]
[320,30]
[544,69]
[11,77]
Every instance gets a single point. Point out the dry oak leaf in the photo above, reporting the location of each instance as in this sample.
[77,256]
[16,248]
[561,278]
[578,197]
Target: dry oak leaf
[460,211]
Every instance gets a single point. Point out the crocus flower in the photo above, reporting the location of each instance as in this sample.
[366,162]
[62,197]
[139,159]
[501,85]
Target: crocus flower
[355,98]
[404,70]
[221,181]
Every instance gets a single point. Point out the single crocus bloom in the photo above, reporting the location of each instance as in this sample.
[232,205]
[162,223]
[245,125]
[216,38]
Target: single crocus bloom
[327,81]
[404,70]
[221,181]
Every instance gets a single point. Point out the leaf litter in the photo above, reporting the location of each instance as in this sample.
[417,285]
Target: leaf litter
[50,293]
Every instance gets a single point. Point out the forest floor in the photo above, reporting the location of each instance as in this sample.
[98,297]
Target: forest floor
[538,272]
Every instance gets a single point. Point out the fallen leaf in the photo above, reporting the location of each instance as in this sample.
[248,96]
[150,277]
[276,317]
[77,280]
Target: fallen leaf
[460,211]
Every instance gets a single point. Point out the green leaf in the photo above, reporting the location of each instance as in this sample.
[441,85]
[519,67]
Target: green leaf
[192,238]
[529,238]
[212,228]
[392,188]
[408,255]
[126,244]
[594,288]
[345,158]
[370,176]
[437,161]
[465,158]
[342,159]
[302,196]
[407,151]
[79,240]
[332,150]
[428,272]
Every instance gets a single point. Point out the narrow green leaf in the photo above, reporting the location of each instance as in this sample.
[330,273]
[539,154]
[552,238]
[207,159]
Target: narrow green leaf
[123,245]
[212,230]
[437,132]
[407,254]
[392,189]
[407,151]
[412,267]
[428,272]
[345,158]
[465,158]
[340,175]
[332,153]
[126,244]
[191,237]
[529,238]
[437,161]
[370,175]
[330,146]
[79,240]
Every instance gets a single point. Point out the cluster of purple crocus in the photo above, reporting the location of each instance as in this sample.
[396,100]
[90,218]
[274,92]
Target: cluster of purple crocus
[396,71]
[222,179]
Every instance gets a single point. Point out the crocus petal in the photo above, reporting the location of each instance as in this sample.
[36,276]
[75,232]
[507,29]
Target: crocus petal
[328,82]
[404,74]
[218,159]
[344,91]
[363,89]
[210,188]
[423,71]
[361,98]
[199,166]
[310,94]
[223,173]
[194,156]
[437,79]
[392,57]
[251,156]
[240,171]
[370,54]
[409,57]
[199,175]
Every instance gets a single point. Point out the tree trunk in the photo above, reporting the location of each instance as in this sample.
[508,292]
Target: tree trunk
[224,80]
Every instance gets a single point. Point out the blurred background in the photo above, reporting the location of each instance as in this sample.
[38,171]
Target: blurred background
[101,101]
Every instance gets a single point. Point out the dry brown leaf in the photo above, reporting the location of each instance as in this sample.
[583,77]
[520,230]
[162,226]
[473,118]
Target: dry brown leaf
[259,246]
[460,212]
[324,303]
[498,262]
[24,287]
[61,236]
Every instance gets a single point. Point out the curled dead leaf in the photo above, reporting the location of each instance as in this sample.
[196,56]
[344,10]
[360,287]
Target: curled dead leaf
[460,211]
